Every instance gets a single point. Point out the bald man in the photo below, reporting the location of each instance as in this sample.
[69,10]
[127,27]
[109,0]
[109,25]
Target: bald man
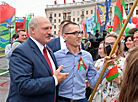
[33,67]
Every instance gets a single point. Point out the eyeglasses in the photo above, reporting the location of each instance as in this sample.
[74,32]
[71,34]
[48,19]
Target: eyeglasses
[76,33]
[112,43]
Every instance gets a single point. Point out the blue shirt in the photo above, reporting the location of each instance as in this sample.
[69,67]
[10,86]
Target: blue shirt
[74,86]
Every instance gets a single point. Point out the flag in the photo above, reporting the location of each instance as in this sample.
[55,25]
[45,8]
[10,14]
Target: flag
[64,1]
[97,19]
[105,16]
[73,0]
[24,26]
[55,2]
[118,18]
[84,29]
[90,25]
[112,74]
[27,30]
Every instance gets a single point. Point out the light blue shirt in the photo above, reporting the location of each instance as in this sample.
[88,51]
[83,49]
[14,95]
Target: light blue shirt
[74,86]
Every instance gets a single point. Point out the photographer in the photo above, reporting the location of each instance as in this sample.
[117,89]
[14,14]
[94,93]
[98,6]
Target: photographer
[93,43]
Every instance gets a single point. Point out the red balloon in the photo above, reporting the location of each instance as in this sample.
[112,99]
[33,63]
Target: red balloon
[137,25]
[134,20]
[123,21]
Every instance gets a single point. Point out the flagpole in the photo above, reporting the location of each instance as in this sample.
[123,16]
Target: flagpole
[114,47]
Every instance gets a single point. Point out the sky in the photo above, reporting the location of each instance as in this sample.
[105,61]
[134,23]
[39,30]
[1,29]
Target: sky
[25,7]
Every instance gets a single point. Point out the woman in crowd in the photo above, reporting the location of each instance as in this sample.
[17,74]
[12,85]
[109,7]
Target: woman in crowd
[129,44]
[109,91]
[101,55]
[129,87]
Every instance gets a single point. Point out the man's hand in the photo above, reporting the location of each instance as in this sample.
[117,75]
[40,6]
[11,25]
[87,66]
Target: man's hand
[109,59]
[60,76]
[88,85]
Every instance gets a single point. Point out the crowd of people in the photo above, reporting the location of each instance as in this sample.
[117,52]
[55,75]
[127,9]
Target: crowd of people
[66,69]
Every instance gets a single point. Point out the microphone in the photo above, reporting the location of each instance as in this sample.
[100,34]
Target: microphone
[49,35]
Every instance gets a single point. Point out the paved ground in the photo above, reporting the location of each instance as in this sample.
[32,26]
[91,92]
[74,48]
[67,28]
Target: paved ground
[4,80]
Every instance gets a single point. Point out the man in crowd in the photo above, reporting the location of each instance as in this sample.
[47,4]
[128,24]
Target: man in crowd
[20,38]
[8,49]
[33,67]
[78,63]
[59,43]
[135,32]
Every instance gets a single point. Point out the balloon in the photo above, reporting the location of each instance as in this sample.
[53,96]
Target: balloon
[130,25]
[127,34]
[123,21]
[134,20]
[110,29]
[126,31]
[137,25]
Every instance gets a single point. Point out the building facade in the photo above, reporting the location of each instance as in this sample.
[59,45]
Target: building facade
[79,11]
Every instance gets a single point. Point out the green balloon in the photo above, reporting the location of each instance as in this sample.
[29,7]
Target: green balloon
[110,29]
[126,31]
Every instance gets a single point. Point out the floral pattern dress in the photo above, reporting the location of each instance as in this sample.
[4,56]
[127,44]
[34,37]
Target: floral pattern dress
[109,91]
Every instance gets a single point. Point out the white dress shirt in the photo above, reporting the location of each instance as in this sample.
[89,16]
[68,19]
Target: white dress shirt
[62,43]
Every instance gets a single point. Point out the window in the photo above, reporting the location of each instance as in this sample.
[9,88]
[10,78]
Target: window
[55,15]
[73,19]
[110,15]
[82,18]
[110,8]
[136,12]
[59,26]
[91,11]
[54,20]
[64,16]
[78,19]
[59,20]
[86,12]
[54,26]
[78,13]
[50,14]
[54,32]
[82,12]
[73,13]
[110,23]
[59,14]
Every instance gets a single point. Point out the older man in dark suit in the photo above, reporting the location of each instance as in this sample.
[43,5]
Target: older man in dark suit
[33,67]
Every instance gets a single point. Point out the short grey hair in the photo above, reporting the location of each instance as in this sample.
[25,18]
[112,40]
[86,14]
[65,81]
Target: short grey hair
[34,23]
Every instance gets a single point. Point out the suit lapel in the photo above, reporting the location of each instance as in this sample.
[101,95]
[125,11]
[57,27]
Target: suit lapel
[39,54]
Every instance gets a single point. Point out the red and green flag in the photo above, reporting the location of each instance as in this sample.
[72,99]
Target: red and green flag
[81,64]
[119,14]
[97,19]
[84,29]
[113,72]
[27,18]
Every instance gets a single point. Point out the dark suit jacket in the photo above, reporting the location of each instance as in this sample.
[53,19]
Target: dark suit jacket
[55,44]
[31,77]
